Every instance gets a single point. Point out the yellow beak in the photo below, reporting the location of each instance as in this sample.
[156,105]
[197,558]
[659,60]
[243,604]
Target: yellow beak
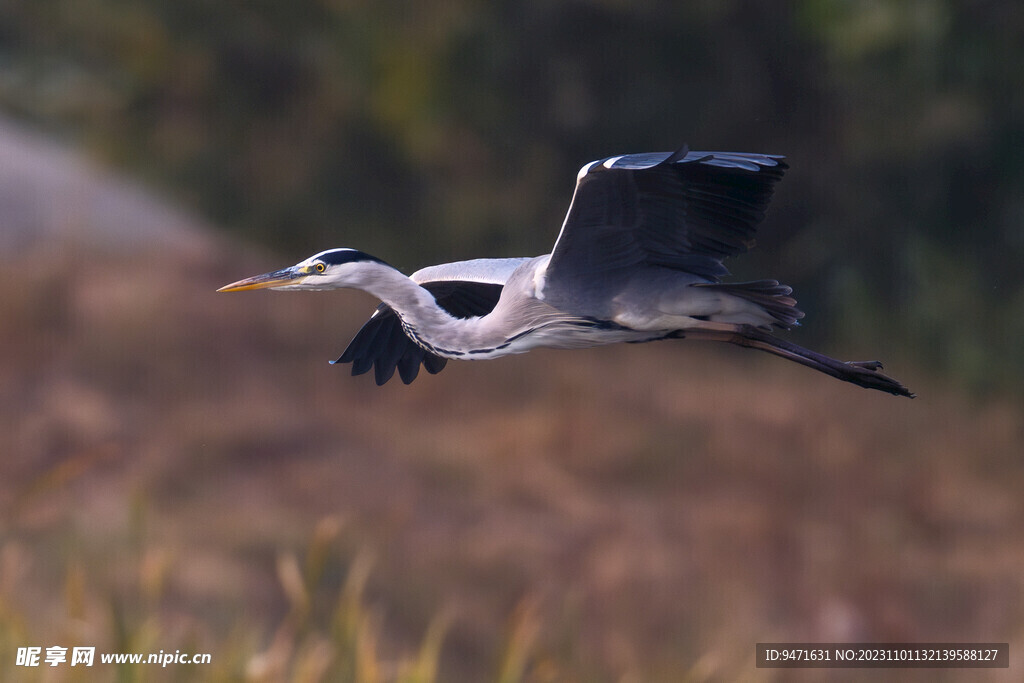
[277,278]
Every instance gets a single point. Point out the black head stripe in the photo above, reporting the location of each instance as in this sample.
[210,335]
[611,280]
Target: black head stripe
[336,257]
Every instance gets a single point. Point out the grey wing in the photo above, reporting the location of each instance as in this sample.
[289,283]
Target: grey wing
[684,210]
[465,289]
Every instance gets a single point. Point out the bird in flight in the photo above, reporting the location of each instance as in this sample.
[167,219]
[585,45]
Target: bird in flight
[638,259]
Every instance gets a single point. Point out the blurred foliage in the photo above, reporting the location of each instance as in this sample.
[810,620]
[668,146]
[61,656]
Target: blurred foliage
[443,130]
[329,633]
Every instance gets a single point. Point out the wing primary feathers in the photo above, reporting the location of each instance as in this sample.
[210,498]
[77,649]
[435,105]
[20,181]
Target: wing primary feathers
[409,364]
[434,364]
[683,210]
[678,155]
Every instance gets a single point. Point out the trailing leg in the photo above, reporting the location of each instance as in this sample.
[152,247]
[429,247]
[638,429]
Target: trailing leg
[862,373]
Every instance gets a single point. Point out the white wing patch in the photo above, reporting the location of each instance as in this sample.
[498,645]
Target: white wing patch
[540,275]
[585,170]
[495,271]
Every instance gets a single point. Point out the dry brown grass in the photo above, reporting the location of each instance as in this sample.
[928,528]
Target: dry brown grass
[623,514]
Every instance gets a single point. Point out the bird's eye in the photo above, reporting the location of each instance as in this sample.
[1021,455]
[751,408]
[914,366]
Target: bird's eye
[320,267]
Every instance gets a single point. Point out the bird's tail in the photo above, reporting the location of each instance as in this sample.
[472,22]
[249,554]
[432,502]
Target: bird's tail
[772,297]
[862,373]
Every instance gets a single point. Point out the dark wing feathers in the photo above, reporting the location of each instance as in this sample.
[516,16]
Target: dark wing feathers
[382,344]
[464,298]
[408,363]
[390,355]
[686,211]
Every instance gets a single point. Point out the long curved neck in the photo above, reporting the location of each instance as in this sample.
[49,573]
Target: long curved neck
[424,320]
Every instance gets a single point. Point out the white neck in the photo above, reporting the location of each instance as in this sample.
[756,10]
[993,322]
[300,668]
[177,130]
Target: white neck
[430,325]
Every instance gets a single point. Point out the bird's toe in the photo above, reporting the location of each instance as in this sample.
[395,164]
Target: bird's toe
[866,364]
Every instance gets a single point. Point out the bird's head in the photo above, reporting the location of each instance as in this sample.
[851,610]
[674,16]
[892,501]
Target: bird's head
[331,269]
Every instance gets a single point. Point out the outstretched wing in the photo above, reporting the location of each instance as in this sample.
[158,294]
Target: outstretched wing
[684,210]
[465,289]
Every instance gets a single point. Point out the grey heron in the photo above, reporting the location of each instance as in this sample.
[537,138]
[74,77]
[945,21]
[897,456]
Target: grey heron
[638,259]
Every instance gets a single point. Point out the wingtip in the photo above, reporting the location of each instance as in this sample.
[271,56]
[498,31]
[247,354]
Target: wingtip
[679,154]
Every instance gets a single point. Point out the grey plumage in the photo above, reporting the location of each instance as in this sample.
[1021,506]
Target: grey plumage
[638,258]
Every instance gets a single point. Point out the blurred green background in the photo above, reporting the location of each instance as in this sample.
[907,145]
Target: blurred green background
[170,453]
